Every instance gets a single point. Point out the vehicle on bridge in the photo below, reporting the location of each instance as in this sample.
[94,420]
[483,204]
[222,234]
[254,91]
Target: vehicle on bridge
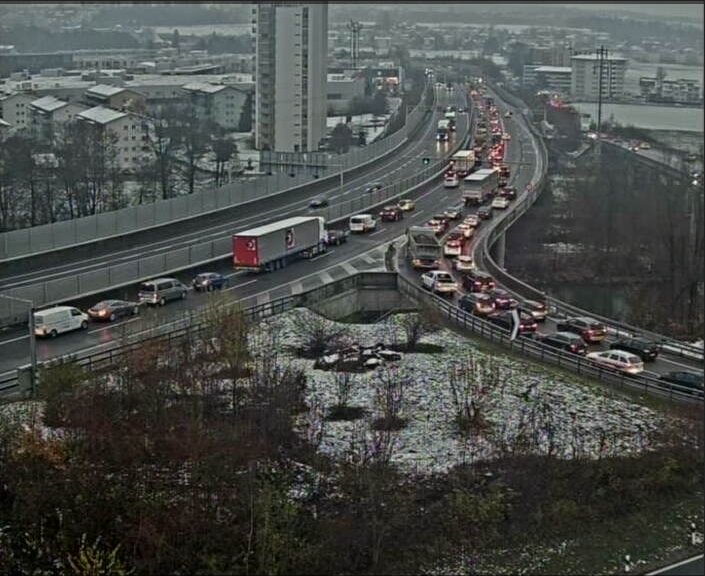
[439,282]
[564,341]
[687,379]
[645,349]
[463,162]
[57,320]
[590,329]
[484,212]
[111,310]
[537,309]
[502,299]
[362,223]
[161,290]
[451,181]
[454,244]
[208,281]
[406,204]
[275,245]
[464,263]
[477,303]
[391,214]
[618,360]
[479,186]
[505,319]
[476,281]
[500,203]
[442,130]
[423,248]
[336,237]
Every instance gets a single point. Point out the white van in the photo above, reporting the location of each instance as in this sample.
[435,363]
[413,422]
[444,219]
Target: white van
[362,223]
[54,321]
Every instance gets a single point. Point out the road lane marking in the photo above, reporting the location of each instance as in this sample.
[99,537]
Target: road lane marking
[240,285]
[321,256]
[378,231]
[113,325]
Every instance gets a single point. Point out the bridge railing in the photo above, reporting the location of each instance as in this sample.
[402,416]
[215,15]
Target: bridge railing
[512,283]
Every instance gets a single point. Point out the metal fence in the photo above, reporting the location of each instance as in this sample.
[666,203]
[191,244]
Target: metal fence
[484,258]
[539,351]
[47,237]
[133,271]
[195,324]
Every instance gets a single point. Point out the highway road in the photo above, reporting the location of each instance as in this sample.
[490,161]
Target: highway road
[360,253]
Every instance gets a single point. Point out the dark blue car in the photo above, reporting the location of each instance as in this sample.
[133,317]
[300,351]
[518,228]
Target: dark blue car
[208,281]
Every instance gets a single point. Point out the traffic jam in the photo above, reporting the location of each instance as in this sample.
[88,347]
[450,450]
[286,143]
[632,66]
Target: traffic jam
[453,274]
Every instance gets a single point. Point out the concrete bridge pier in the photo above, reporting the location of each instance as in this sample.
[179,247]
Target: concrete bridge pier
[498,250]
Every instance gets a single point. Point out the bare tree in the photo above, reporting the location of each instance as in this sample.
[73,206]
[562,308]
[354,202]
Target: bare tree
[416,326]
[389,386]
[163,140]
[316,334]
[471,385]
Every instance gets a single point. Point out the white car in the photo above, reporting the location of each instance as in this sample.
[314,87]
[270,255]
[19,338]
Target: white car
[439,282]
[453,247]
[466,229]
[472,220]
[619,360]
[500,202]
[362,223]
[506,136]
[464,263]
[451,182]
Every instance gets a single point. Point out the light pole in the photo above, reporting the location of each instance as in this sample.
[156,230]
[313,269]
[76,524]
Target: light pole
[32,337]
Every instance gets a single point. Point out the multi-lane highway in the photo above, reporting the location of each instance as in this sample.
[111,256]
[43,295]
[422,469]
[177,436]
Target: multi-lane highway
[359,253]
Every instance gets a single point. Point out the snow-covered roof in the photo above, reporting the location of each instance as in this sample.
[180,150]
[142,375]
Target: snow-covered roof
[267,228]
[48,103]
[561,69]
[101,115]
[4,124]
[204,87]
[104,90]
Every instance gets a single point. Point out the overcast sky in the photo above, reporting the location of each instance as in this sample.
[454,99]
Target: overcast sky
[694,11]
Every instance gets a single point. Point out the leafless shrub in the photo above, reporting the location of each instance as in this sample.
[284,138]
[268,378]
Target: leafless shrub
[317,335]
[470,385]
[389,386]
[416,326]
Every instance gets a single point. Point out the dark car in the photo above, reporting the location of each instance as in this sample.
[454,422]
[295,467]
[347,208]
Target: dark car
[589,329]
[111,310]
[477,303]
[318,203]
[484,212]
[505,319]
[682,378]
[509,192]
[373,187]
[537,309]
[453,213]
[564,341]
[645,349]
[336,237]
[502,299]
[391,214]
[208,281]
[477,282]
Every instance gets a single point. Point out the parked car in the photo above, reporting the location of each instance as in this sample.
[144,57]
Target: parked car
[505,319]
[692,380]
[373,187]
[484,212]
[464,263]
[53,321]
[161,290]
[589,329]
[618,360]
[567,341]
[500,202]
[320,202]
[537,309]
[502,299]
[439,282]
[362,223]
[391,214]
[472,220]
[453,213]
[111,310]
[406,204]
[336,237]
[645,349]
[477,303]
[477,281]
[208,281]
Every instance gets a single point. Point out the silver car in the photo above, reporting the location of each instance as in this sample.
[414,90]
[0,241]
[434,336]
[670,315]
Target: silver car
[161,290]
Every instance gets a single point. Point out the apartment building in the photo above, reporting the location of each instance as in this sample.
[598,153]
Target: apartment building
[49,114]
[585,77]
[217,103]
[557,78]
[128,128]
[14,109]
[342,89]
[116,97]
[682,90]
[290,70]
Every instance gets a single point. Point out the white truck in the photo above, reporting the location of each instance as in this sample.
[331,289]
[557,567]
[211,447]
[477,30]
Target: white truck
[480,185]
[463,162]
[442,130]
[273,246]
[423,248]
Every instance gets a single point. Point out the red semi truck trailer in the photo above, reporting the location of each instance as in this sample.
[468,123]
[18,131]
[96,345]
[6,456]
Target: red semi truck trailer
[273,246]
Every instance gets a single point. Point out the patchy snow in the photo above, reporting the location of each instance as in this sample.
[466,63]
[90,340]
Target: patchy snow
[579,418]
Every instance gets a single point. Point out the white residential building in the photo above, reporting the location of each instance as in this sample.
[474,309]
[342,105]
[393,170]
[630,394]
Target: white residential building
[218,103]
[290,74]
[14,109]
[585,77]
[128,128]
[48,114]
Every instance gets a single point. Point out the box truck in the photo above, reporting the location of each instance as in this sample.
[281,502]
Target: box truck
[273,246]
[463,162]
[480,185]
[423,248]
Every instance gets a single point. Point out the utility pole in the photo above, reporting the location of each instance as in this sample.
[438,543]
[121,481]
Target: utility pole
[354,28]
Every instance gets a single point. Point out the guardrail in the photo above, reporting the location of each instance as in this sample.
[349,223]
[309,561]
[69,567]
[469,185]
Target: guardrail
[140,269]
[64,234]
[484,258]
[195,324]
[542,352]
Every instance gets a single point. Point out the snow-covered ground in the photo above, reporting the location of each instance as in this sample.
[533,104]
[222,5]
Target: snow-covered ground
[583,420]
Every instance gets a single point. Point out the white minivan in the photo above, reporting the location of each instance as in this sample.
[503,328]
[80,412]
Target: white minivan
[362,223]
[54,321]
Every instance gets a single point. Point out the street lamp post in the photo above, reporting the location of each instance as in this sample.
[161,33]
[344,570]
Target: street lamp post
[32,337]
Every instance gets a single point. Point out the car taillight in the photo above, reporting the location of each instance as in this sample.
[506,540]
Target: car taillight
[573,347]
